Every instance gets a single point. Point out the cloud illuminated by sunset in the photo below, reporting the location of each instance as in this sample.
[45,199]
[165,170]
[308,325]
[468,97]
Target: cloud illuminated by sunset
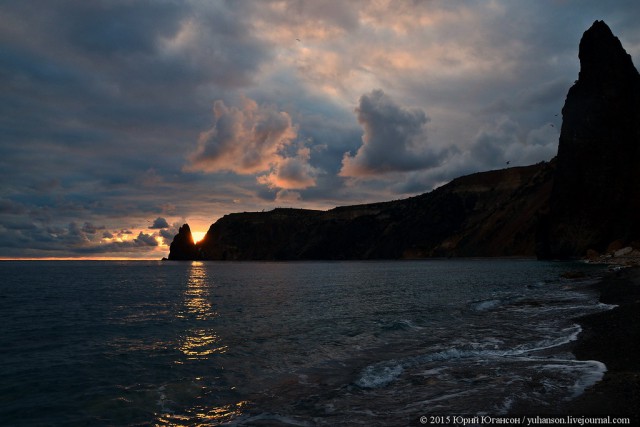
[123,120]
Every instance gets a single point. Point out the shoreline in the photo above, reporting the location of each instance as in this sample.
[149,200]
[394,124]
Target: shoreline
[613,338]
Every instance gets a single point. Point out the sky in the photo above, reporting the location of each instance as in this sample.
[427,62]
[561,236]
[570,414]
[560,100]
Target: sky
[123,119]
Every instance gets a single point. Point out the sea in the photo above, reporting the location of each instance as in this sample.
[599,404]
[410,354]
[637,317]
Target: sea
[375,343]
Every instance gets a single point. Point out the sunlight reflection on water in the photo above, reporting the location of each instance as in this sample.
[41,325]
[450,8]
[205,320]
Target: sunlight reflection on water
[198,343]
[211,416]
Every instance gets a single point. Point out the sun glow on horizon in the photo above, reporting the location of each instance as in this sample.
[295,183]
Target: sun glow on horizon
[198,235]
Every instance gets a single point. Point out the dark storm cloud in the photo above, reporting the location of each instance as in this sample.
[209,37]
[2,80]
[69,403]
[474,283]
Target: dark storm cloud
[394,139]
[103,103]
[159,223]
[96,67]
[144,239]
[96,94]
[505,141]
[116,27]
[89,228]
[30,239]
[11,207]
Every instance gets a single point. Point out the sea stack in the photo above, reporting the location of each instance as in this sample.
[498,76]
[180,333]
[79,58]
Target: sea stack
[183,247]
[596,194]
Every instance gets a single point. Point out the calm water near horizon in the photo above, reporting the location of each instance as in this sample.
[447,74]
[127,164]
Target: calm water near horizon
[287,343]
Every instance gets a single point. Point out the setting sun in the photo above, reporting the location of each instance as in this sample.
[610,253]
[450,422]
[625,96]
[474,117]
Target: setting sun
[198,235]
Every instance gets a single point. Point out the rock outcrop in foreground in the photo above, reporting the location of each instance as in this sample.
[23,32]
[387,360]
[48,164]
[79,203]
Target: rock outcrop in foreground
[587,198]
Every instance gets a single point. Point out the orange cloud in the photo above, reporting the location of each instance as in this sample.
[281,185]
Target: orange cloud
[254,139]
[292,173]
[244,141]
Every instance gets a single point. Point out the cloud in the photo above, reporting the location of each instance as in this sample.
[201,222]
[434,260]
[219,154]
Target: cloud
[11,207]
[292,173]
[167,236]
[506,141]
[89,228]
[216,44]
[254,139]
[76,234]
[394,139]
[496,143]
[103,103]
[243,140]
[159,223]
[144,239]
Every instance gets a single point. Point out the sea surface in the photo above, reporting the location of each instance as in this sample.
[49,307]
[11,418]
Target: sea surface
[286,343]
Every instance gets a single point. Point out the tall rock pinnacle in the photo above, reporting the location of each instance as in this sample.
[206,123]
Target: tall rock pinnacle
[183,247]
[596,194]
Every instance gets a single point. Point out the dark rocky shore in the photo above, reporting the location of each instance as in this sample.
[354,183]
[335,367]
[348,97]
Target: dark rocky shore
[613,337]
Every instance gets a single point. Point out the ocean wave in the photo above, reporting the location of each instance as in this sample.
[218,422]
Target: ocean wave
[383,373]
[400,325]
[485,305]
[380,374]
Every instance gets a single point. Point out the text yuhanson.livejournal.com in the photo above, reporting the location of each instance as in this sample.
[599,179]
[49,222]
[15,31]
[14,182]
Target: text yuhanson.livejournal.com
[457,420]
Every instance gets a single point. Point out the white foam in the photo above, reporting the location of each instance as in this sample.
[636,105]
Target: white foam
[455,353]
[486,305]
[592,371]
[379,374]
[606,307]
[403,324]
[506,405]
[410,324]
[434,371]
[444,397]
[590,378]
[574,330]
[572,333]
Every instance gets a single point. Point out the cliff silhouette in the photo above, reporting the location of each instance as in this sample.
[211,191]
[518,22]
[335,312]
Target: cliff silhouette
[585,198]
[596,193]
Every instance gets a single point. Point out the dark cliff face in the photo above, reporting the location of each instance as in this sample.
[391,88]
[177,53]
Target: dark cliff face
[182,247]
[596,197]
[484,214]
[585,199]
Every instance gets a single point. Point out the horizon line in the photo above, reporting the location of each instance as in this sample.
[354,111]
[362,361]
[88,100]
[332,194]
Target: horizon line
[76,259]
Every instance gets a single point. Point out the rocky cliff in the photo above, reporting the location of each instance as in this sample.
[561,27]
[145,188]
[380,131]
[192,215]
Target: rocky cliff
[183,247]
[587,198]
[596,193]
[485,214]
